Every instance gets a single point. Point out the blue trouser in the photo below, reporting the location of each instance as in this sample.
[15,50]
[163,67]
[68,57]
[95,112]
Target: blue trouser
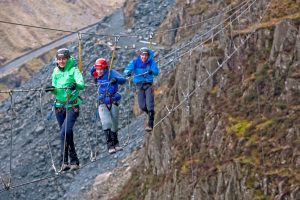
[66,121]
[146,101]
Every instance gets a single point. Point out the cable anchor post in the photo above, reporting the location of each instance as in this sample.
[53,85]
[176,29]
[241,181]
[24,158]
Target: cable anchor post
[169,110]
[185,95]
[93,156]
[209,74]
[6,184]
[219,64]
[79,51]
[150,38]
[199,84]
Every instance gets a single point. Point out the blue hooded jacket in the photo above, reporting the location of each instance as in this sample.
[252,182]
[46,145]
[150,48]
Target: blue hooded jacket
[140,69]
[107,92]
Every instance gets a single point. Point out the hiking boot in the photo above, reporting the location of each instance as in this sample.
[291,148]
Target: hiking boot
[65,167]
[148,129]
[111,150]
[109,141]
[118,148]
[150,121]
[74,167]
[114,137]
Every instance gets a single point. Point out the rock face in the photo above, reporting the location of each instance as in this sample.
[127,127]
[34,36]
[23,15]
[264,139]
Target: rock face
[236,136]
[32,133]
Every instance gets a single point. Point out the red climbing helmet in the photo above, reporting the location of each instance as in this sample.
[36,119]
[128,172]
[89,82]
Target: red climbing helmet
[100,63]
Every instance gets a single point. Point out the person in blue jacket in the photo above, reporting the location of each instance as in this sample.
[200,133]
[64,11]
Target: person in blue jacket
[144,68]
[108,98]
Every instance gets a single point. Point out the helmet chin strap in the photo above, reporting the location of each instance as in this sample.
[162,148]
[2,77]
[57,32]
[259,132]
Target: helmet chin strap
[59,67]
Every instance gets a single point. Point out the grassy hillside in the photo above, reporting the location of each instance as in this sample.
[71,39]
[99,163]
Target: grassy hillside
[65,15]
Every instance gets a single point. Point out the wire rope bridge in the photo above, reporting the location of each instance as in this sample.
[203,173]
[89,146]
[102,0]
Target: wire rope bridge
[230,16]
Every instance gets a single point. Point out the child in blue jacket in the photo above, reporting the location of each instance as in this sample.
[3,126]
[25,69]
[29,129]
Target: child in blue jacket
[108,98]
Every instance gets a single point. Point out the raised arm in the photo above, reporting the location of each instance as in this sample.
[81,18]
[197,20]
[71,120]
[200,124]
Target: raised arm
[129,68]
[78,79]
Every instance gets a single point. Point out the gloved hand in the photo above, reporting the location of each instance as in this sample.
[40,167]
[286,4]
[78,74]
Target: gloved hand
[72,86]
[113,81]
[49,88]
[150,72]
[95,74]
[128,75]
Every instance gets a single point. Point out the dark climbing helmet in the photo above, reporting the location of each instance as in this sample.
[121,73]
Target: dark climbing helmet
[144,50]
[63,53]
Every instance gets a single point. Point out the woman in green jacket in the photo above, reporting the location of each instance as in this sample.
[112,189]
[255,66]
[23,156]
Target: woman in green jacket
[66,83]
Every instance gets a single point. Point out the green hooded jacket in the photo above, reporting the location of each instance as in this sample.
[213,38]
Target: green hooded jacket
[62,78]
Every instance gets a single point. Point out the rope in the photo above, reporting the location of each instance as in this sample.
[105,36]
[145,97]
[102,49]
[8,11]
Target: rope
[92,154]
[42,89]
[59,172]
[65,136]
[201,22]
[207,40]
[65,31]
[158,60]
[128,117]
[57,175]
[11,141]
[204,34]
[46,133]
[188,122]
[29,90]
[209,76]
[113,56]
[106,35]
[29,182]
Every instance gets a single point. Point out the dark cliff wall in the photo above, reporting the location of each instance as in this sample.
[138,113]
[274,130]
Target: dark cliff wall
[237,135]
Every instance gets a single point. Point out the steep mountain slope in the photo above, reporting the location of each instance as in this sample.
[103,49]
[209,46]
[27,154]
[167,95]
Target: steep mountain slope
[31,172]
[64,15]
[237,135]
